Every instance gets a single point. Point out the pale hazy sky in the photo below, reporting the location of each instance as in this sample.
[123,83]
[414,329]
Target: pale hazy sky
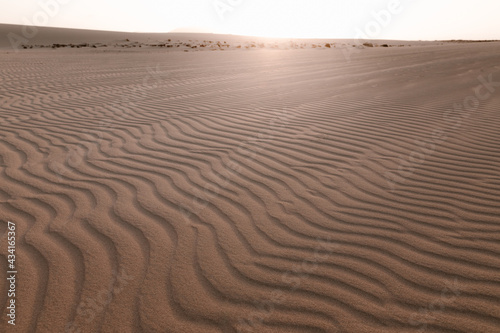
[413,19]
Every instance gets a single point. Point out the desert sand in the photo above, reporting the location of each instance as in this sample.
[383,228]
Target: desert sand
[251,190]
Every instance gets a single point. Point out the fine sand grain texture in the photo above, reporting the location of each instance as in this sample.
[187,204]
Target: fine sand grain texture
[252,190]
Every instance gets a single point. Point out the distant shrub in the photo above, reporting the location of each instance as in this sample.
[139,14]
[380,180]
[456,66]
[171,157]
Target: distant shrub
[368,44]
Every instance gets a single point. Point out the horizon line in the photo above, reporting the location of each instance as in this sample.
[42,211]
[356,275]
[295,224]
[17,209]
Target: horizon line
[242,35]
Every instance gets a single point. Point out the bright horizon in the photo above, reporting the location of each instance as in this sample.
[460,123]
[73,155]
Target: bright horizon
[407,19]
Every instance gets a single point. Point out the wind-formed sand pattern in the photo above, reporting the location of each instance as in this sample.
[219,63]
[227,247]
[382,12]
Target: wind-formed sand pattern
[253,191]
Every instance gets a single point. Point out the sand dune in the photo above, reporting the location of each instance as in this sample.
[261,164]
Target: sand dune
[15,37]
[266,191]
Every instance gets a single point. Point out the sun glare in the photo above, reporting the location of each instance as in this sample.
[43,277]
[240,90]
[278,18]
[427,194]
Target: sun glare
[423,19]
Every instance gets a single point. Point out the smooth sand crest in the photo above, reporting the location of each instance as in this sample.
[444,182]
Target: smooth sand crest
[263,191]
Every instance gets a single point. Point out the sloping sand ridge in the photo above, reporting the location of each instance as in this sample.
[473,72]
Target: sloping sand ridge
[252,190]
